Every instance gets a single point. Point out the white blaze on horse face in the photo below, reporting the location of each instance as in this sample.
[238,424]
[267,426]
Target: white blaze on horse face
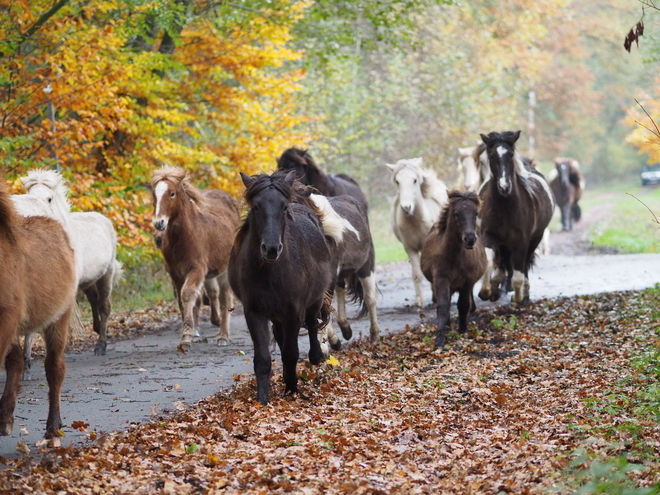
[409,190]
[160,190]
[503,181]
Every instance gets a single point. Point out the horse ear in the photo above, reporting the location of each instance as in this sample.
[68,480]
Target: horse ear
[247,180]
[485,139]
[417,161]
[390,166]
[516,135]
[290,177]
[305,191]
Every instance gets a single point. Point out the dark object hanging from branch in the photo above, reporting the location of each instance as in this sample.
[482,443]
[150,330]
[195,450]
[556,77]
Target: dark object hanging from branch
[634,34]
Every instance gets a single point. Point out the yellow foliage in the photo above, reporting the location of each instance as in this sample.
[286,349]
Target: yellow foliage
[222,103]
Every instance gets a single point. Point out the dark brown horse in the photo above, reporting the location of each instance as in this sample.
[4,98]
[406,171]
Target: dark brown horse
[37,294]
[453,259]
[195,230]
[283,269]
[517,206]
[567,184]
[309,173]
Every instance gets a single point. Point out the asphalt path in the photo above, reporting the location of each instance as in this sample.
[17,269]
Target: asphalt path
[144,379]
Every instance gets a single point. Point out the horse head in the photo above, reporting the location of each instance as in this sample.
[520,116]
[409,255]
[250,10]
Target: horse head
[49,186]
[459,217]
[268,197]
[504,164]
[469,168]
[408,177]
[168,193]
[563,171]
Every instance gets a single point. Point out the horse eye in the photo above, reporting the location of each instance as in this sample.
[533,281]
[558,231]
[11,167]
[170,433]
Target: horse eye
[172,195]
[397,182]
[284,207]
[415,181]
[50,199]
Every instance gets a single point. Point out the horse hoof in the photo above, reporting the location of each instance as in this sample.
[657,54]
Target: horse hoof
[27,376]
[440,341]
[336,346]
[99,350]
[183,347]
[222,342]
[6,428]
[53,434]
[315,357]
[484,296]
[346,331]
[374,338]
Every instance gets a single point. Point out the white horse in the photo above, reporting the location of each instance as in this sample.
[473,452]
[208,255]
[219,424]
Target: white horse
[94,243]
[417,206]
[472,168]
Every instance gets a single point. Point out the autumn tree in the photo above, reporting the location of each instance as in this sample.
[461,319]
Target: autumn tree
[108,90]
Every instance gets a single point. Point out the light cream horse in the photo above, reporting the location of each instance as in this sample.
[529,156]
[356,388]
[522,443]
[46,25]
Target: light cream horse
[419,200]
[94,243]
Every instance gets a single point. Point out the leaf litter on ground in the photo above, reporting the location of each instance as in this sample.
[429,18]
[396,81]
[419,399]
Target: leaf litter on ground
[530,403]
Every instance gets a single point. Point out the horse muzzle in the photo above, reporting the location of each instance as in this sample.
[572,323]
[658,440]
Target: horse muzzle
[408,209]
[160,224]
[270,254]
[469,241]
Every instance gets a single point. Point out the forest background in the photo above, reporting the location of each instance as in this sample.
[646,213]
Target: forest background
[108,90]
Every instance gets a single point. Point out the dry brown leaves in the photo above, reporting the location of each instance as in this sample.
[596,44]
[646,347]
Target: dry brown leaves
[501,412]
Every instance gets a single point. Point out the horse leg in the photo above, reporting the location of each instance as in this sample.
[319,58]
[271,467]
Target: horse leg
[212,289]
[417,276]
[312,323]
[566,216]
[104,306]
[14,367]
[443,294]
[27,356]
[342,319]
[484,292]
[260,334]
[328,339]
[495,281]
[369,288]
[464,305]
[92,295]
[291,353]
[226,306]
[55,337]
[190,300]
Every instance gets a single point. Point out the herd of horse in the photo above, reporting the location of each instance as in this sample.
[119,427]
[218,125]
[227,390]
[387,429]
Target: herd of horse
[304,241]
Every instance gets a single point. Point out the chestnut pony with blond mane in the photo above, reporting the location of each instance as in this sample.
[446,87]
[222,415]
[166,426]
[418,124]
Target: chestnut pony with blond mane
[37,294]
[196,231]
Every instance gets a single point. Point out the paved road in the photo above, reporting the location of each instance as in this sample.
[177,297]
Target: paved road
[138,378]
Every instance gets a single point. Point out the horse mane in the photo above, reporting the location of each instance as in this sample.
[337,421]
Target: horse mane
[52,180]
[299,156]
[334,225]
[455,196]
[430,183]
[179,175]
[8,216]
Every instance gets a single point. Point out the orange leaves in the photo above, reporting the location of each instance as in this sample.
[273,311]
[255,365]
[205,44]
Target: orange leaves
[221,102]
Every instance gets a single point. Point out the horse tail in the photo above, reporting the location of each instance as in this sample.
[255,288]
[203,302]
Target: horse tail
[326,309]
[118,272]
[576,212]
[76,327]
[355,290]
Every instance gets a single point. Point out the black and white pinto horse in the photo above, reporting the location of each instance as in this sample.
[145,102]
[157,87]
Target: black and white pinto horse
[517,205]
[567,184]
[310,174]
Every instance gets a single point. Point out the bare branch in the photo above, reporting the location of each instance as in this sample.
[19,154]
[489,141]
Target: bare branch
[655,219]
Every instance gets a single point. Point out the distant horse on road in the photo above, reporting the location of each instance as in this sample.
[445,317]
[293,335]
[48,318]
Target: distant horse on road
[417,205]
[567,184]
